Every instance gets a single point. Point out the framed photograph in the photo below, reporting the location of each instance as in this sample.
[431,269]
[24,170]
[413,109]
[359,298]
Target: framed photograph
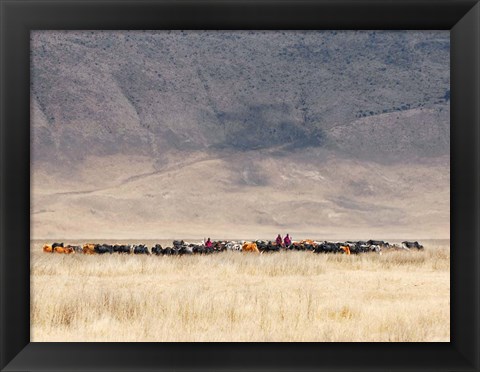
[185,184]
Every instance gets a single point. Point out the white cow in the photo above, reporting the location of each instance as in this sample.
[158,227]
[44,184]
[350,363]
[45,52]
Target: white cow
[233,246]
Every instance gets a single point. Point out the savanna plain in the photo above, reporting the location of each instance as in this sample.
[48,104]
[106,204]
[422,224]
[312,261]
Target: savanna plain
[232,296]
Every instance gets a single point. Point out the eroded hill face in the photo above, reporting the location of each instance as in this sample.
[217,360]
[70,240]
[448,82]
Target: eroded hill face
[162,134]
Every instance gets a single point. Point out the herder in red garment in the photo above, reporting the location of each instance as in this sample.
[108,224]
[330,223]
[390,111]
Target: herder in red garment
[279,240]
[287,241]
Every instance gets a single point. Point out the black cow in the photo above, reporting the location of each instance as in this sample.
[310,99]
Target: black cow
[309,247]
[168,251]
[54,245]
[184,249]
[209,250]
[267,246]
[327,247]
[274,247]
[140,249]
[180,248]
[122,248]
[157,249]
[410,245]
[103,248]
[358,247]
[270,247]
[380,243]
[298,247]
[219,246]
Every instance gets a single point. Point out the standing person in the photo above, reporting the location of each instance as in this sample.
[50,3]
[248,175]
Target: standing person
[208,243]
[287,241]
[279,240]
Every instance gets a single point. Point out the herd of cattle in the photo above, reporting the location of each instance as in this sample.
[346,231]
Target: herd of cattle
[180,247]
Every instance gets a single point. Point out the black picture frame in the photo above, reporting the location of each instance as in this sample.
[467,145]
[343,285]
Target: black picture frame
[19,17]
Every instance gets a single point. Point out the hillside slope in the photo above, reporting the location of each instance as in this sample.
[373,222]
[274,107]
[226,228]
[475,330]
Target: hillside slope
[240,133]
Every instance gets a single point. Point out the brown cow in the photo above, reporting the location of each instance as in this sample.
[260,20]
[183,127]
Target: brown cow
[58,249]
[250,247]
[88,248]
[67,250]
[308,241]
[47,248]
[345,248]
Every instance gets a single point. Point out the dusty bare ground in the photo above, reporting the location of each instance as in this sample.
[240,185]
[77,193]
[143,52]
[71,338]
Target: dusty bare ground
[245,196]
[293,296]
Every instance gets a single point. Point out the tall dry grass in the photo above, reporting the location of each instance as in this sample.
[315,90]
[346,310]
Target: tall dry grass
[292,296]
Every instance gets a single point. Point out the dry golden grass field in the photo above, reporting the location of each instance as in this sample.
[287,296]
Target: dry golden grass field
[230,296]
